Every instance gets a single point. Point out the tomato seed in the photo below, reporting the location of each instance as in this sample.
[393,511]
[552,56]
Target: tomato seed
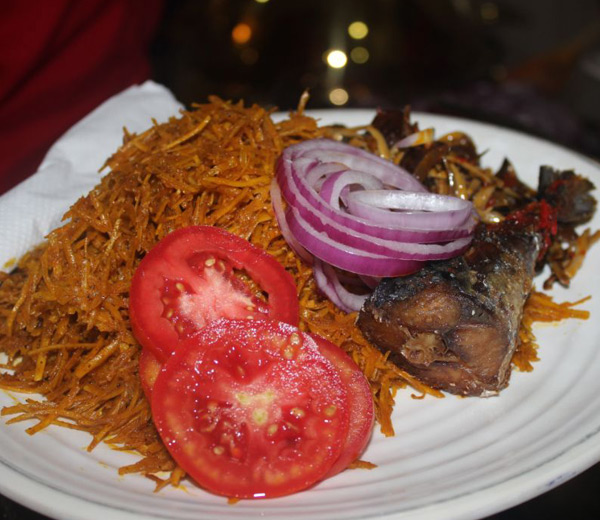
[210,262]
[330,410]
[298,412]
[295,339]
[243,398]
[272,430]
[179,286]
[218,450]
[291,426]
[260,416]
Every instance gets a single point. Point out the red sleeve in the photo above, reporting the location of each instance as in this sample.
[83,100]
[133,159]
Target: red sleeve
[59,60]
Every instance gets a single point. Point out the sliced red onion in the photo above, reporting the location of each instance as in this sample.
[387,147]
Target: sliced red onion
[328,151]
[428,209]
[277,203]
[416,245]
[399,178]
[351,280]
[296,191]
[318,173]
[345,257]
[329,283]
[335,183]
[411,201]
[326,286]
[358,212]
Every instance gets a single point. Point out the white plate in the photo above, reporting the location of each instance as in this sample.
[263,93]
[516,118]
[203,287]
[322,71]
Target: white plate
[451,458]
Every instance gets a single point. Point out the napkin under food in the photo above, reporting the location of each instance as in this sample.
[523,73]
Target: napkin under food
[32,209]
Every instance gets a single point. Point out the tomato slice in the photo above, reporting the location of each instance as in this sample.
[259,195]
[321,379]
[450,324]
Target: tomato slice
[361,406]
[149,367]
[251,409]
[200,273]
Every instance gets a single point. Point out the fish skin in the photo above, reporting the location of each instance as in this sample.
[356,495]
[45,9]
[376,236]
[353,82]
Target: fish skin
[454,324]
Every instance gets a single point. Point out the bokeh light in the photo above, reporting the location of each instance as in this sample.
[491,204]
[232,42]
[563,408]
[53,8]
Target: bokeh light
[358,30]
[359,55]
[241,33]
[337,59]
[338,96]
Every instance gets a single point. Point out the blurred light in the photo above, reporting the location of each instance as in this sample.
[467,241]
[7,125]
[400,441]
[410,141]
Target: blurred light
[489,11]
[249,56]
[261,1]
[359,55]
[358,30]
[337,59]
[241,33]
[338,96]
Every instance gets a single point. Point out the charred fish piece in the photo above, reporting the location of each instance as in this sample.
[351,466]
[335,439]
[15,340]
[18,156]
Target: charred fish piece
[569,193]
[454,324]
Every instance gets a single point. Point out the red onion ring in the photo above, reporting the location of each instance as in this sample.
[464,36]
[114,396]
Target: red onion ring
[350,209]
[325,285]
[298,193]
[335,183]
[415,246]
[277,204]
[319,172]
[346,257]
[328,151]
[329,283]
[426,208]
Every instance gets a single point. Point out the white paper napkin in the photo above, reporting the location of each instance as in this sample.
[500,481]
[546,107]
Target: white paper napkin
[70,169]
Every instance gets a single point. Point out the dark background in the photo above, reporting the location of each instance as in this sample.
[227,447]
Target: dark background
[532,65]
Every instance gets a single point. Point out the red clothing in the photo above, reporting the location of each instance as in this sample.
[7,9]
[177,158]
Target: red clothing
[59,59]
